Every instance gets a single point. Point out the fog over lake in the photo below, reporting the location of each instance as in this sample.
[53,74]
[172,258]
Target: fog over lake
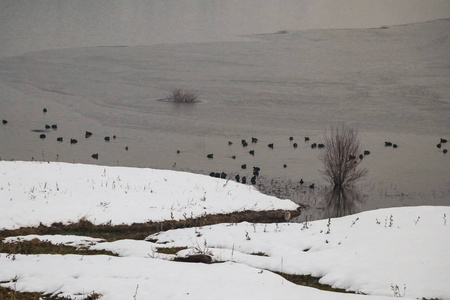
[265,69]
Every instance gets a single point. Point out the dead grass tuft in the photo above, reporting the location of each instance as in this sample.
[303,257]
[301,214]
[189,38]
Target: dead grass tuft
[171,250]
[10,294]
[179,95]
[308,280]
[36,246]
[139,231]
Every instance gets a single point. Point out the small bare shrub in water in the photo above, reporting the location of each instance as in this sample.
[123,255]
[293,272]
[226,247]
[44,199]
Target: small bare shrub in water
[179,95]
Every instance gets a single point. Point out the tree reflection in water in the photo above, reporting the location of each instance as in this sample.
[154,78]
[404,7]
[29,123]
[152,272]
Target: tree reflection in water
[322,202]
[340,201]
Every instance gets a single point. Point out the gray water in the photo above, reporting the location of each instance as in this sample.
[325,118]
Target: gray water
[256,76]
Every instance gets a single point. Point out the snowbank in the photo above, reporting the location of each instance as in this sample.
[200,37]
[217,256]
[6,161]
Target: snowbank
[33,192]
[367,252]
[383,253]
[146,278]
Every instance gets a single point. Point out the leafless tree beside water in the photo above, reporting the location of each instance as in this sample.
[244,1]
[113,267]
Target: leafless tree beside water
[341,157]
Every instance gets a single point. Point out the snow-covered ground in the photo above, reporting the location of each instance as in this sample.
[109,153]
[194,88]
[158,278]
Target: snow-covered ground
[34,192]
[371,252]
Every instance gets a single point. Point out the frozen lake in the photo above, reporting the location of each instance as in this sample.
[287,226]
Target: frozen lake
[269,78]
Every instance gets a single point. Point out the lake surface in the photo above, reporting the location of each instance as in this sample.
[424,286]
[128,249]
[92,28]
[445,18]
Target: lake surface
[254,79]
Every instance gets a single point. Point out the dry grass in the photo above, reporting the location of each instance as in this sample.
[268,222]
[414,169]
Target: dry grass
[36,246]
[171,250]
[140,231]
[10,294]
[308,280]
[259,254]
[179,95]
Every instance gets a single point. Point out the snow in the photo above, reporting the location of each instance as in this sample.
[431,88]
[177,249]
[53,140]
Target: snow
[119,278]
[368,252]
[117,195]
[68,240]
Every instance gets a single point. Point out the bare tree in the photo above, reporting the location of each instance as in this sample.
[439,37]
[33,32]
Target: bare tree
[341,157]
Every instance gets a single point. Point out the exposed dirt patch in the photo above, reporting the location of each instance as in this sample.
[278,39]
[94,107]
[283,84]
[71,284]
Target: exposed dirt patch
[311,281]
[140,231]
[7,294]
[36,246]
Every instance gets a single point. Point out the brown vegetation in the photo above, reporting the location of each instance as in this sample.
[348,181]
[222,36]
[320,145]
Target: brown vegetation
[311,281]
[179,95]
[11,294]
[139,231]
[36,246]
